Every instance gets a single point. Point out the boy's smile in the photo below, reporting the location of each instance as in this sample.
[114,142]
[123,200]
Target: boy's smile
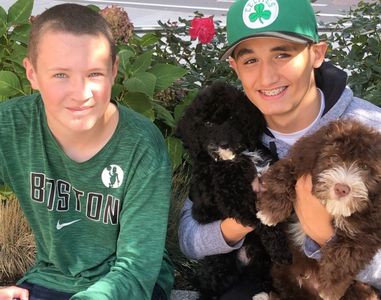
[277,76]
[74,74]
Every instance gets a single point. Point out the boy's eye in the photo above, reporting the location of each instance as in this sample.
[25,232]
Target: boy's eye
[60,75]
[95,74]
[283,55]
[250,61]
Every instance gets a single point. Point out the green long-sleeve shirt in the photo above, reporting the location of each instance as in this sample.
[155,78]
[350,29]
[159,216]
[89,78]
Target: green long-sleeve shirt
[99,225]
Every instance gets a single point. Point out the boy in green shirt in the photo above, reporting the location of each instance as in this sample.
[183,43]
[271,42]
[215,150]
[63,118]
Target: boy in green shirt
[92,177]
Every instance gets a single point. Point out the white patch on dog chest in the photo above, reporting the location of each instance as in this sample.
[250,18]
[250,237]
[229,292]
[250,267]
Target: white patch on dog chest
[265,219]
[259,162]
[242,256]
[225,154]
[261,296]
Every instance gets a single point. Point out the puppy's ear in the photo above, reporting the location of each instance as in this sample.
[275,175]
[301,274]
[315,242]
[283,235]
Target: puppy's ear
[305,152]
[251,120]
[203,107]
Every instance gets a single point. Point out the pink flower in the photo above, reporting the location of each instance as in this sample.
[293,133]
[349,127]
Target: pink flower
[203,29]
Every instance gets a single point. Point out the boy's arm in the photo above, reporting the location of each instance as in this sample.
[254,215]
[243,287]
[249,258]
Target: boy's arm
[200,240]
[141,241]
[371,274]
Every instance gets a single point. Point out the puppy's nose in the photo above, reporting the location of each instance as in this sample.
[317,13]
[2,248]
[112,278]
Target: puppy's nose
[341,189]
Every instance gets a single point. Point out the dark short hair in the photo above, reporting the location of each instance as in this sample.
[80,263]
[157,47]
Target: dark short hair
[71,18]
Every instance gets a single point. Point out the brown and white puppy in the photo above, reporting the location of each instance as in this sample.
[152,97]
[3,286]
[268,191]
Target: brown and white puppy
[344,159]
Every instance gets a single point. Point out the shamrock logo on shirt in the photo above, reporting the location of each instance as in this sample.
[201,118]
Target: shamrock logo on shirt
[260,13]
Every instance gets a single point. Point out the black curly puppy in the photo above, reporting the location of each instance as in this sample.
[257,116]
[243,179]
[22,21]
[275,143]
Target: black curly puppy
[221,130]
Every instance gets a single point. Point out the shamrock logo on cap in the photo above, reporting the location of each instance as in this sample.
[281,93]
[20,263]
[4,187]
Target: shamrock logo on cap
[260,13]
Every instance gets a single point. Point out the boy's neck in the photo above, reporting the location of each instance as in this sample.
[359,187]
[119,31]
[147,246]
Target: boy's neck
[299,118]
[82,146]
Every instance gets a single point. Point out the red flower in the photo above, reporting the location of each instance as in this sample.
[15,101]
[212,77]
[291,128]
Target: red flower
[203,29]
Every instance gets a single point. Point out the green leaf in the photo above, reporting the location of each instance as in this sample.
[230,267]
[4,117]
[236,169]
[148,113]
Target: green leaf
[163,114]
[117,89]
[121,47]
[18,53]
[166,74]
[149,39]
[14,64]
[20,12]
[94,7]
[175,150]
[142,63]
[124,60]
[377,68]
[179,109]
[21,33]
[2,51]
[141,83]
[9,84]
[3,21]
[141,103]
[26,87]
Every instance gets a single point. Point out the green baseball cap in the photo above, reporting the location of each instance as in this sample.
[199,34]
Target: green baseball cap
[292,20]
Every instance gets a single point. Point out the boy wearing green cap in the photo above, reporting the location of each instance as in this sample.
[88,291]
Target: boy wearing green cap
[274,48]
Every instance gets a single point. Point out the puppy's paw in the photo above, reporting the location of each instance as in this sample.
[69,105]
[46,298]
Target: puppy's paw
[265,219]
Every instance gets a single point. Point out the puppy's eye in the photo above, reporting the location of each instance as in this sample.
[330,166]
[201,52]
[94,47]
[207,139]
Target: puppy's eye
[335,158]
[208,124]
[363,166]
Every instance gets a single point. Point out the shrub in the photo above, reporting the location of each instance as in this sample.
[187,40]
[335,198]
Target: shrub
[14,31]
[356,48]
[17,246]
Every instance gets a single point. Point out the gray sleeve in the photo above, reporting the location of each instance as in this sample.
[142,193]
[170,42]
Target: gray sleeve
[198,240]
[371,273]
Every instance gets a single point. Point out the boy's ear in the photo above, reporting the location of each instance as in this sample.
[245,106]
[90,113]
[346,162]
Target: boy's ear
[233,65]
[319,51]
[31,74]
[115,68]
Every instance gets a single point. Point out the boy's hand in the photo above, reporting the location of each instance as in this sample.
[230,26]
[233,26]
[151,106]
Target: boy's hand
[13,292]
[313,216]
[233,231]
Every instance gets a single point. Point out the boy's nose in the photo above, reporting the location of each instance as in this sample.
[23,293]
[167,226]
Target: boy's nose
[82,89]
[268,74]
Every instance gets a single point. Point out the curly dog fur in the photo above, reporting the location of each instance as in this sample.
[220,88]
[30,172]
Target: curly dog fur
[344,159]
[221,130]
